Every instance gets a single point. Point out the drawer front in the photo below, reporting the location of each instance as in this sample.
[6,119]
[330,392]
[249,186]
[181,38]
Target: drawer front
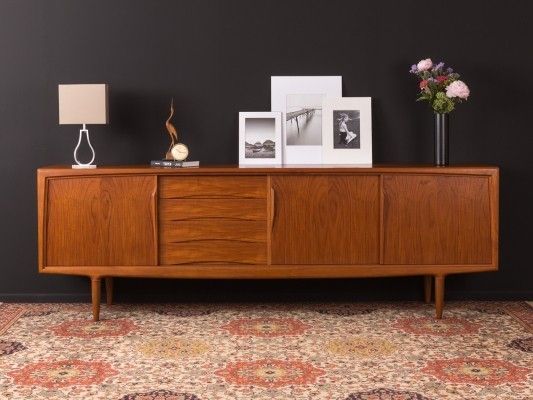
[186,209]
[213,252]
[240,187]
[211,220]
[185,231]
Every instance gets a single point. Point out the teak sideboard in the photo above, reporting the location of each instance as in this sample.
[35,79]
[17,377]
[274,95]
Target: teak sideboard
[272,222]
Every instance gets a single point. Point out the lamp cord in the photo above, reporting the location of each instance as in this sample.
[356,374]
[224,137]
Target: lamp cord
[82,131]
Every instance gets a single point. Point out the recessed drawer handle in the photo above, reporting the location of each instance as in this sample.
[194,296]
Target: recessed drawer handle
[272,207]
[153,206]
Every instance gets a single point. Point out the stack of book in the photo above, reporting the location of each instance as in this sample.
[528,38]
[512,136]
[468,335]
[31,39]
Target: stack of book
[174,164]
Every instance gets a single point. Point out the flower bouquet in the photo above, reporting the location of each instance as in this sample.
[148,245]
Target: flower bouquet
[442,89]
[439,86]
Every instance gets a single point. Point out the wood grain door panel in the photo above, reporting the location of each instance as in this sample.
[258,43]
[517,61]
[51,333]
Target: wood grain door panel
[325,219]
[101,221]
[437,219]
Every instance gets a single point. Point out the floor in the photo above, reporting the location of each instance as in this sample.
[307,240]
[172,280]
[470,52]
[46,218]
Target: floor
[371,351]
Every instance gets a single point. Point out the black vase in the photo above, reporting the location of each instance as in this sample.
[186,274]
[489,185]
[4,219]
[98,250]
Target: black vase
[441,139]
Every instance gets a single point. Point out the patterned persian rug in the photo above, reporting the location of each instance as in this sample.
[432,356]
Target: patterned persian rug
[360,351]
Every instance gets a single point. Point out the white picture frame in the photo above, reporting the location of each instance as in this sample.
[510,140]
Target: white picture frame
[347,130]
[292,93]
[259,136]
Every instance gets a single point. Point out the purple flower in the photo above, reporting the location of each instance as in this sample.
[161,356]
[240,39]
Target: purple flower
[439,66]
[413,69]
[449,70]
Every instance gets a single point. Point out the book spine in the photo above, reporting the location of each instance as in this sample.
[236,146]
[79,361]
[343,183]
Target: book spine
[191,164]
[161,163]
[174,164]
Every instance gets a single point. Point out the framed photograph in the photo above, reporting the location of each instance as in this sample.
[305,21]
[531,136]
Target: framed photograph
[347,130]
[259,138]
[300,98]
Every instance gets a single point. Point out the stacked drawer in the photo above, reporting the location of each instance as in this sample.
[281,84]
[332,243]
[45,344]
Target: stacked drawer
[212,219]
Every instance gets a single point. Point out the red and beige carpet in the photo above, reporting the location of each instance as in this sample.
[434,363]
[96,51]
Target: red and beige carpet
[363,351]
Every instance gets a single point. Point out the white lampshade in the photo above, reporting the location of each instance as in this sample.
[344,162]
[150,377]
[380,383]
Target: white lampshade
[83,104]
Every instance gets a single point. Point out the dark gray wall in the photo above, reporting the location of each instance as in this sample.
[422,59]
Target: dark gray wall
[216,58]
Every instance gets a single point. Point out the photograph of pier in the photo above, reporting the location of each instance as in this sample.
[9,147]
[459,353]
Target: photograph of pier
[260,136]
[304,119]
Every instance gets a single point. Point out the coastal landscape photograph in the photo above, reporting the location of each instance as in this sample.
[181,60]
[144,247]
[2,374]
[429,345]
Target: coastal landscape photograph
[260,137]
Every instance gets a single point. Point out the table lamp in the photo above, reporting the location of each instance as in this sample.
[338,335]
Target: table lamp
[81,105]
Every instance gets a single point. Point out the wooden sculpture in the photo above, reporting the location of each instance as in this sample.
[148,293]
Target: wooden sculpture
[173,133]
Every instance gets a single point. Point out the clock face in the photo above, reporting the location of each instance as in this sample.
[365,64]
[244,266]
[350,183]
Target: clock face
[180,152]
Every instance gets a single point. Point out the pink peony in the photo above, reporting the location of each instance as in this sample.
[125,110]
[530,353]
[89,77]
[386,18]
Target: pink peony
[424,65]
[457,89]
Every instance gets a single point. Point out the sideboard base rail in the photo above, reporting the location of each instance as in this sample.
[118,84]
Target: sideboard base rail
[96,274]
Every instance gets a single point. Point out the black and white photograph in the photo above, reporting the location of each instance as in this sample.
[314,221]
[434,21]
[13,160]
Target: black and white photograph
[259,138]
[259,135]
[304,119]
[346,129]
[300,100]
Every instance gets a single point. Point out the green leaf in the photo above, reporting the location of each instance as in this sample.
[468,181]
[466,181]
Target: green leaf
[443,104]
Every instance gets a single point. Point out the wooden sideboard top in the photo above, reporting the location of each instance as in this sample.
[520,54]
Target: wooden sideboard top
[66,170]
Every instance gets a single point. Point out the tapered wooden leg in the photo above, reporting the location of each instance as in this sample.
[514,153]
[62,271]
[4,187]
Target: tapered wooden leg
[428,282]
[95,294]
[109,290]
[439,295]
